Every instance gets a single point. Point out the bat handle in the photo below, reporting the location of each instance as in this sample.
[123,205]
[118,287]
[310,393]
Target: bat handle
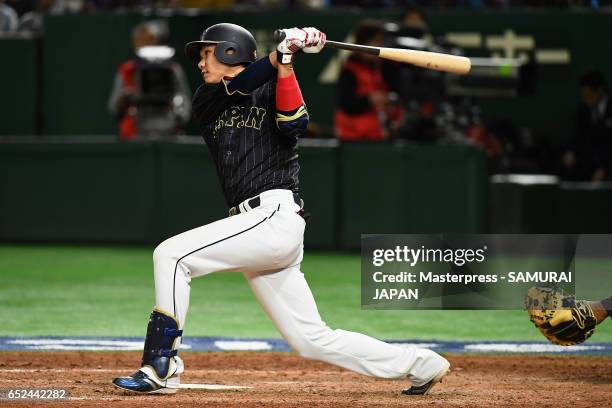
[279,35]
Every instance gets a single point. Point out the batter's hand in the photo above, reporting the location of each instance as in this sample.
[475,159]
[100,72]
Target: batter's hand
[315,40]
[294,41]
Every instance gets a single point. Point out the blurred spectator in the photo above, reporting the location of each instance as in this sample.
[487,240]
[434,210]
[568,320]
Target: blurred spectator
[72,6]
[364,106]
[150,94]
[413,22]
[9,21]
[208,4]
[34,20]
[589,156]
[420,91]
[132,4]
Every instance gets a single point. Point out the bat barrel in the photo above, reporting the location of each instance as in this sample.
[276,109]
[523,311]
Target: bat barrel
[431,60]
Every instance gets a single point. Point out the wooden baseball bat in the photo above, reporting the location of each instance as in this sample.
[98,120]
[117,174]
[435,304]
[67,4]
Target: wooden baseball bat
[424,59]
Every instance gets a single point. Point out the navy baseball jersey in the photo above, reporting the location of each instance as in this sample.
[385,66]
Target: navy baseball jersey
[251,153]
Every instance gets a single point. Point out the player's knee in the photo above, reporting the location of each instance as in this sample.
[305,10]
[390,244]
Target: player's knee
[159,253]
[163,253]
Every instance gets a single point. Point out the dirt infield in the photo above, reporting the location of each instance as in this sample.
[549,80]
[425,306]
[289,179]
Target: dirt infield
[279,379]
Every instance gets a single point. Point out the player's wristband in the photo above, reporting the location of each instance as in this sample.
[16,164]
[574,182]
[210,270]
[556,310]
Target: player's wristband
[284,58]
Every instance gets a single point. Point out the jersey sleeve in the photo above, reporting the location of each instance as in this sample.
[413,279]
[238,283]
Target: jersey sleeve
[254,76]
[291,114]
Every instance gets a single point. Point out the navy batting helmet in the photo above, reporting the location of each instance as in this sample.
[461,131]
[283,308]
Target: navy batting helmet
[234,44]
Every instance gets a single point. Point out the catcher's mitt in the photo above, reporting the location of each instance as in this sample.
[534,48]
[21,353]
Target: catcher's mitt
[561,318]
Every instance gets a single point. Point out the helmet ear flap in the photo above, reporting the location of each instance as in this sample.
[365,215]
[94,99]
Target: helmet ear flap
[234,45]
[227,53]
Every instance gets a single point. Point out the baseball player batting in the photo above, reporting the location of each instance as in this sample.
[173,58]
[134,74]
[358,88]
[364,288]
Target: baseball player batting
[251,113]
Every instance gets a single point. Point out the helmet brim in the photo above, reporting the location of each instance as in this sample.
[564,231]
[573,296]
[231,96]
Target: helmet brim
[192,49]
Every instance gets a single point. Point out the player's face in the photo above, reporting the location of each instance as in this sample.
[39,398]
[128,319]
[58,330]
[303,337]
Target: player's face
[212,70]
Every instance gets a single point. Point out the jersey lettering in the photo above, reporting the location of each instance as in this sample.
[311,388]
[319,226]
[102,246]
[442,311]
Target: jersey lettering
[235,116]
[256,116]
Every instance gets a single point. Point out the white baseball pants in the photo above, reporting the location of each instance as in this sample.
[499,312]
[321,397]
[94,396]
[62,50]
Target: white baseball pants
[266,244]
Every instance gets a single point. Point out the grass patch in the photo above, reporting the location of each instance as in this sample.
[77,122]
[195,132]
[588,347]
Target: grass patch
[108,291]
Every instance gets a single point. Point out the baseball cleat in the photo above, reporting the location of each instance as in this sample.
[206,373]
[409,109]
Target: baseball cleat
[141,383]
[425,388]
[161,368]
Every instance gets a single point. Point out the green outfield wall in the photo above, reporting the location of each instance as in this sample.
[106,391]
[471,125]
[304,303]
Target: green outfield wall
[94,192]
[20,86]
[108,192]
[410,189]
[145,192]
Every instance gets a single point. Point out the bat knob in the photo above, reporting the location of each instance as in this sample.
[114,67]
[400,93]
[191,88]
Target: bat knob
[279,35]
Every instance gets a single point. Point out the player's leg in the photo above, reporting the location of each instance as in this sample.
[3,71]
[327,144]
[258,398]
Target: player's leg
[246,241]
[287,299]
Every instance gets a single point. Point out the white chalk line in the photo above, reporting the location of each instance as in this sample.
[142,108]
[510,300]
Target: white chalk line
[529,348]
[211,387]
